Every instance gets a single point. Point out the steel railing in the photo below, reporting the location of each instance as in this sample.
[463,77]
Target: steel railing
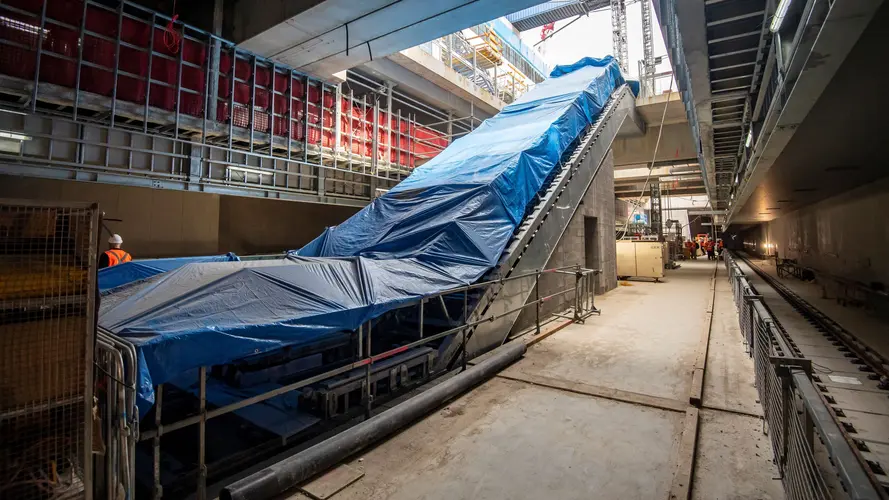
[82,79]
[793,410]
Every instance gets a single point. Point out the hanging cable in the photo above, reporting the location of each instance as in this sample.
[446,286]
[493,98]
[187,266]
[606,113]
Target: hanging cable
[657,145]
[172,37]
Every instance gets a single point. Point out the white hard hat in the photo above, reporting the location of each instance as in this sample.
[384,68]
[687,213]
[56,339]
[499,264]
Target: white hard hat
[115,239]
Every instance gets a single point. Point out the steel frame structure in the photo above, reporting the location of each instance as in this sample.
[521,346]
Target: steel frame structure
[76,133]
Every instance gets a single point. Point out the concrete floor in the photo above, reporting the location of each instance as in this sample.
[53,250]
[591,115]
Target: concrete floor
[517,436]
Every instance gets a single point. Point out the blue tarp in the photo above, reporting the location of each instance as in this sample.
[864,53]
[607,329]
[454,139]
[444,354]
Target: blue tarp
[445,225]
[123,274]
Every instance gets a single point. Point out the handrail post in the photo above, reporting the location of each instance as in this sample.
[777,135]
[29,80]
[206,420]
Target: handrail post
[422,302]
[156,445]
[537,301]
[577,276]
[368,392]
[465,321]
[202,435]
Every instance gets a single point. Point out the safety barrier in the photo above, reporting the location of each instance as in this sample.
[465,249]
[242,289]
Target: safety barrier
[792,408]
[123,411]
[47,318]
[136,70]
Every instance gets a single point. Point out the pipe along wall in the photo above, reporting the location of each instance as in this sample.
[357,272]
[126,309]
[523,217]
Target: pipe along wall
[290,472]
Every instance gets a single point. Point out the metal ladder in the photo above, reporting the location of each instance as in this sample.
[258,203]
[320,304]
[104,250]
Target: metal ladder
[536,237]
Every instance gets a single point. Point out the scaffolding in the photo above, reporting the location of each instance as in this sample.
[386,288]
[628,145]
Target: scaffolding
[479,55]
[619,33]
[648,60]
[97,95]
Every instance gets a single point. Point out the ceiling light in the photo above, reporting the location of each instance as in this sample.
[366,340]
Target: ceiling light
[783,5]
[749,138]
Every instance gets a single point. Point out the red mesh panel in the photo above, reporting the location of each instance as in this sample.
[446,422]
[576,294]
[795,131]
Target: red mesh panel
[162,96]
[243,69]
[135,32]
[280,126]
[101,53]
[56,70]
[281,104]
[315,96]
[67,11]
[34,6]
[261,98]
[135,62]
[101,21]
[191,104]
[263,76]
[434,142]
[299,89]
[16,61]
[281,80]
[194,52]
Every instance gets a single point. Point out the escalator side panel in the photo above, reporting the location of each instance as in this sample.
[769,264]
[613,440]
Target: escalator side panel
[534,246]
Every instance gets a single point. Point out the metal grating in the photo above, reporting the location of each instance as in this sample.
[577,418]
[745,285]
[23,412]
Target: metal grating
[47,307]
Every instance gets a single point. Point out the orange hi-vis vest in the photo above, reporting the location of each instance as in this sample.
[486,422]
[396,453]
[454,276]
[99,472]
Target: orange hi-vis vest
[117,256]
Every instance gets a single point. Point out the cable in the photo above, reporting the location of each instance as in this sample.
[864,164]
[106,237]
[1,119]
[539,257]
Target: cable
[112,377]
[172,38]
[653,158]
[558,30]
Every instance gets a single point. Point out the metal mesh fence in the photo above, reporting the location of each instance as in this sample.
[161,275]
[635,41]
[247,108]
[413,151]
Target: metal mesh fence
[802,477]
[791,405]
[47,306]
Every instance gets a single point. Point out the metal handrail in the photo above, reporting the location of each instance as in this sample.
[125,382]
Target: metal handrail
[792,424]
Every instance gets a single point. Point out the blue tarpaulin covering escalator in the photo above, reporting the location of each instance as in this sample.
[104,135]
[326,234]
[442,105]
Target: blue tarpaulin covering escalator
[445,225]
[135,270]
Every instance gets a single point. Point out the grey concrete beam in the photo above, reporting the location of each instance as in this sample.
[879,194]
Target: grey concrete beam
[335,35]
[410,83]
[693,27]
[676,145]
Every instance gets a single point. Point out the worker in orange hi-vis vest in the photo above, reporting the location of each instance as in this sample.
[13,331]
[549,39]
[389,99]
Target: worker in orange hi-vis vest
[114,255]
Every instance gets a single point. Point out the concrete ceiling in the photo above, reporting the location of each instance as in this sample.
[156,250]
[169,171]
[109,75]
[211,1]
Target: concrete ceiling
[324,38]
[841,144]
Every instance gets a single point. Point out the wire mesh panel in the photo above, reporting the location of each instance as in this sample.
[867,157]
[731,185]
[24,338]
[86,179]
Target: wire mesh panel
[47,308]
[802,478]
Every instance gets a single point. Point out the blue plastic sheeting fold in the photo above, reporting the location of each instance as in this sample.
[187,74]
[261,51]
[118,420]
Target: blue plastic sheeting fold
[446,225]
[129,272]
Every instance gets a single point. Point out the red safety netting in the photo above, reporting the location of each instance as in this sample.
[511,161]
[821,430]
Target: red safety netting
[273,99]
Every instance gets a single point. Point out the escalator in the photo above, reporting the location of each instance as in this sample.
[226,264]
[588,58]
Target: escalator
[536,237]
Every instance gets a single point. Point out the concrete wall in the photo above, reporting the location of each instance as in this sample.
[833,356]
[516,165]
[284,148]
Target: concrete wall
[846,235]
[163,223]
[154,222]
[676,144]
[254,225]
[572,247]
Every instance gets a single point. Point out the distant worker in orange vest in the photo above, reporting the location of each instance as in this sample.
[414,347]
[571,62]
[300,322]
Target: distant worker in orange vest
[114,255]
[709,246]
[690,249]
